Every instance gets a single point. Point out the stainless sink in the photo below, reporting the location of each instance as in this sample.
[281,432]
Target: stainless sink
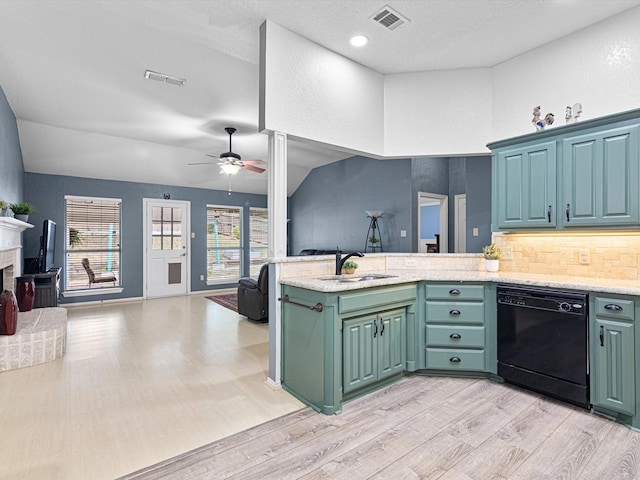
[361,278]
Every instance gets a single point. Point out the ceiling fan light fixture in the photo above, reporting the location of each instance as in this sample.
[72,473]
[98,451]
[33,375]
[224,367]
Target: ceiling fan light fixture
[230,168]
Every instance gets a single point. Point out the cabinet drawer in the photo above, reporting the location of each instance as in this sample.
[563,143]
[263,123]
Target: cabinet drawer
[455,336]
[455,312]
[615,308]
[372,298]
[455,291]
[449,359]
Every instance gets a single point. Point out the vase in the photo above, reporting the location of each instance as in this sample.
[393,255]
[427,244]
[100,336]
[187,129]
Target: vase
[22,217]
[349,270]
[491,265]
[8,313]
[25,293]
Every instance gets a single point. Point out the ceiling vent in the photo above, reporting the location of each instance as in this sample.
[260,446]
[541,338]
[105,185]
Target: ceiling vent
[161,77]
[389,18]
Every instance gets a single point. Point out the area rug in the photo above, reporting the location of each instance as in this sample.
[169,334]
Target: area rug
[229,301]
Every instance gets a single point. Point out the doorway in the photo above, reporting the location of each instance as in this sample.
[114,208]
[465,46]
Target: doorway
[166,247]
[433,226]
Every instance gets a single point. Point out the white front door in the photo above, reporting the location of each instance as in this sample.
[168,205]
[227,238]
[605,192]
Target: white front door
[166,247]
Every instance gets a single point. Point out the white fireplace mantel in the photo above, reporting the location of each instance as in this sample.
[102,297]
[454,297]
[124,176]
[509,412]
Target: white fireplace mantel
[10,230]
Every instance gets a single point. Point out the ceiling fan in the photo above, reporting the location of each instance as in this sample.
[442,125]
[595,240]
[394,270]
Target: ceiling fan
[231,163]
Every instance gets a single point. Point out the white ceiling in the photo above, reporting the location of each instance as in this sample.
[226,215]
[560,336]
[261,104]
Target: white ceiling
[73,73]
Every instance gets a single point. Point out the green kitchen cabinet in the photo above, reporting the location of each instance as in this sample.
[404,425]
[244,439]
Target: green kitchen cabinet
[583,175]
[600,178]
[460,335]
[613,375]
[525,179]
[374,348]
[355,342]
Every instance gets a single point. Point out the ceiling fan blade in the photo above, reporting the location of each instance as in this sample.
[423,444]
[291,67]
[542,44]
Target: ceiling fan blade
[200,163]
[211,155]
[253,162]
[251,168]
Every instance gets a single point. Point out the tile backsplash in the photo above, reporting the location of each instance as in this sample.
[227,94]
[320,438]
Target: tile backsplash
[607,254]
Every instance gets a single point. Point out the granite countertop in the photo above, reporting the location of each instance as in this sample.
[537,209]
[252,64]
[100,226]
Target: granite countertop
[332,283]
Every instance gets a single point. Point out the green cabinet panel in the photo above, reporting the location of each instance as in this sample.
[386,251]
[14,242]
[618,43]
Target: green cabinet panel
[452,359]
[525,183]
[455,336]
[453,292]
[600,178]
[374,298]
[359,352]
[614,366]
[374,348]
[455,312]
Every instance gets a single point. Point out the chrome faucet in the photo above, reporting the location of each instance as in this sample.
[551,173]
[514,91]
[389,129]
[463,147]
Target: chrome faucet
[340,260]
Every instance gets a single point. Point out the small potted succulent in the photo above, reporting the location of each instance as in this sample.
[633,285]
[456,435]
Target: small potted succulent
[349,266]
[492,254]
[22,210]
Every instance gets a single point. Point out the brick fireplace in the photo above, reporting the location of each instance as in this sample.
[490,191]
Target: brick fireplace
[11,250]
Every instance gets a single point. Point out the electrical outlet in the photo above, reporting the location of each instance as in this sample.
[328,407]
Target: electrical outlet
[403,233]
[475,231]
[193,234]
[585,257]
[410,262]
[202,278]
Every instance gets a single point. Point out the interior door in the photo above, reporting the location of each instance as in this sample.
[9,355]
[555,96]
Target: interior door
[166,247]
[461,224]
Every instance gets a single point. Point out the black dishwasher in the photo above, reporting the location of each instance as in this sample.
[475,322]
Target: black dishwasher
[543,342]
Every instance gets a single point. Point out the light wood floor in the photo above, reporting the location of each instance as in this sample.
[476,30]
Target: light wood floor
[140,382]
[427,428]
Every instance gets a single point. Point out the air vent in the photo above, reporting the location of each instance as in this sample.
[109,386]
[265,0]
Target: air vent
[389,18]
[161,77]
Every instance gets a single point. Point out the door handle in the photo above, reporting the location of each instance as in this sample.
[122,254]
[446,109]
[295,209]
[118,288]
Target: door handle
[455,360]
[601,336]
[454,313]
[454,291]
[381,327]
[455,336]
[549,214]
[567,212]
[375,325]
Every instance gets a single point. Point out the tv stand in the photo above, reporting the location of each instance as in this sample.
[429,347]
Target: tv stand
[47,288]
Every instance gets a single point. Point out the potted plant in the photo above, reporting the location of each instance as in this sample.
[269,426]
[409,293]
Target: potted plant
[349,266]
[21,210]
[3,208]
[75,239]
[492,254]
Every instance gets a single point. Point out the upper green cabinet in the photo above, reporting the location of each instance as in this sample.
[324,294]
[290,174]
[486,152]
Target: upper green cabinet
[582,175]
[600,178]
[527,176]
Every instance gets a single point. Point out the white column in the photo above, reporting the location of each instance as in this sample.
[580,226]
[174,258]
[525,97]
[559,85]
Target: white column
[277,205]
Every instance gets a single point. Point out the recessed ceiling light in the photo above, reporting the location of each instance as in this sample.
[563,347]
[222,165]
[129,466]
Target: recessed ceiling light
[359,41]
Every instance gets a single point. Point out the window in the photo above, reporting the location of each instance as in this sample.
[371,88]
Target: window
[92,231]
[224,246]
[258,238]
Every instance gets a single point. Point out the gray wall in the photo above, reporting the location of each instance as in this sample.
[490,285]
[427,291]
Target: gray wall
[478,202]
[11,165]
[47,193]
[328,209]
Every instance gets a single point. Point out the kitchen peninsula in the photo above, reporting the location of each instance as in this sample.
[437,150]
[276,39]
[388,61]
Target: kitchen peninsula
[436,316]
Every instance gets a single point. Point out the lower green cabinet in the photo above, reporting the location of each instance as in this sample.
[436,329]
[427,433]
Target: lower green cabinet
[374,347]
[613,355]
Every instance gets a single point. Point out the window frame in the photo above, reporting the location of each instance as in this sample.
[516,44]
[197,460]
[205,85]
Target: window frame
[86,290]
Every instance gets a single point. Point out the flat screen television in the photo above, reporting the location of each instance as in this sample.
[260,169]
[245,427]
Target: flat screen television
[47,245]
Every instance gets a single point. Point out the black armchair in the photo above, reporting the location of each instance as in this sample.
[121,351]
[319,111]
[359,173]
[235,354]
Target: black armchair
[253,296]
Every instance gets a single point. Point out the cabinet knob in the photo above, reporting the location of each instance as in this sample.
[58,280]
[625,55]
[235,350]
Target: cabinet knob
[455,360]
[455,313]
[454,291]
[613,307]
[455,336]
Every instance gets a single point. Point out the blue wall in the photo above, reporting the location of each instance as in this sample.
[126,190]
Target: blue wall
[328,209]
[478,176]
[47,193]
[11,165]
